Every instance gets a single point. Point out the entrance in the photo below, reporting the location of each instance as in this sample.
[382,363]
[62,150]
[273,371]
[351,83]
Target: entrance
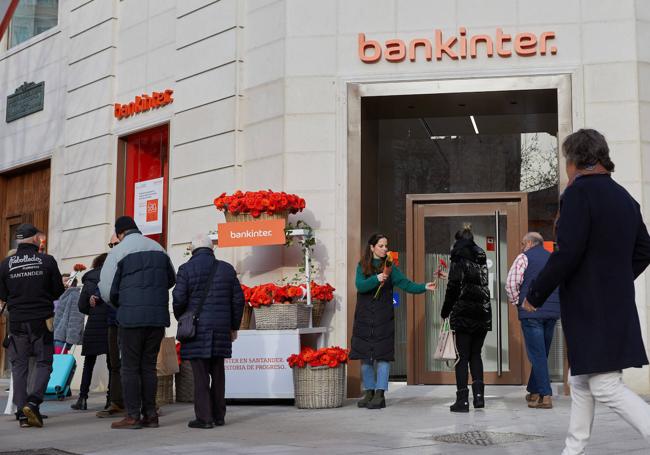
[498,222]
[24,198]
[425,157]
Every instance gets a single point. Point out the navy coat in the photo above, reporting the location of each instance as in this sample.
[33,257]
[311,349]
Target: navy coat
[603,245]
[222,310]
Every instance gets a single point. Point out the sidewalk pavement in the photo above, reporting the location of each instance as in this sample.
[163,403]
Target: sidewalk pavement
[414,418]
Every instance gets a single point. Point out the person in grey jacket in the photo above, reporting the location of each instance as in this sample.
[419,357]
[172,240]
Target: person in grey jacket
[68,320]
[135,279]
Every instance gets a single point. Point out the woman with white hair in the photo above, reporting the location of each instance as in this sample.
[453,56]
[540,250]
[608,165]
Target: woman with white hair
[213,286]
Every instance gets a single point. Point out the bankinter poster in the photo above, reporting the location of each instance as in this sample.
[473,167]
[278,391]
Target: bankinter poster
[148,206]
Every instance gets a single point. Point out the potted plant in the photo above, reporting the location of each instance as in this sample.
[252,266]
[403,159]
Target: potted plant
[254,205]
[319,377]
[278,307]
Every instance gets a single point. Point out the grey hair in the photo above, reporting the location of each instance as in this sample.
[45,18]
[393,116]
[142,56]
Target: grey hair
[534,237]
[586,148]
[201,241]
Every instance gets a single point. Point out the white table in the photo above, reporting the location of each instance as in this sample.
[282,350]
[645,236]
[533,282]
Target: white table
[258,367]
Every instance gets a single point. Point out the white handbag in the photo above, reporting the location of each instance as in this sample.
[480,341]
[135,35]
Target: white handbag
[446,348]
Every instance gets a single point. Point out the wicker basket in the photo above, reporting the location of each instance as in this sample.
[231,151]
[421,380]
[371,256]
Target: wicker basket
[184,383]
[317,310]
[246,317]
[282,316]
[319,387]
[165,391]
[232,218]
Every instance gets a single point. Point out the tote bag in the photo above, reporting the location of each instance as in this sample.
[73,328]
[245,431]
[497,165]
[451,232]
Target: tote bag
[446,348]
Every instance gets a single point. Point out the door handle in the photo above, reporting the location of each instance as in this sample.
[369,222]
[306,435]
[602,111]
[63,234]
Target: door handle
[498,296]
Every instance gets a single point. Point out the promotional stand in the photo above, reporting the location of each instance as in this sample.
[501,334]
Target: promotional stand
[258,367]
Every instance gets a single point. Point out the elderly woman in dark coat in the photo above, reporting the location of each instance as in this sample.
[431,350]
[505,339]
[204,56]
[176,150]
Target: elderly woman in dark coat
[603,245]
[217,326]
[95,338]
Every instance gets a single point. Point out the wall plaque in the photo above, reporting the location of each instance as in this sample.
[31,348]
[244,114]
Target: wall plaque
[27,99]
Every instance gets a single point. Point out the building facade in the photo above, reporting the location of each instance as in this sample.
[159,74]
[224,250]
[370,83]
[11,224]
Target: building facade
[382,114]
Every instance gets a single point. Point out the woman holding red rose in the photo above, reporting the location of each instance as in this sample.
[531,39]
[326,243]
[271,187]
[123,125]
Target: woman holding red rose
[373,332]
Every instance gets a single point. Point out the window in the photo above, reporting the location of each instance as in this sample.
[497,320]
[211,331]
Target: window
[31,18]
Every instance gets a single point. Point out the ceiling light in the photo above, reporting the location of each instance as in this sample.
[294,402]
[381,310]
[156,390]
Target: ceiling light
[474,124]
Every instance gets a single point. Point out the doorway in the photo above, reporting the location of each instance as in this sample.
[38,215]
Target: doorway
[143,180]
[476,138]
[24,198]
[498,222]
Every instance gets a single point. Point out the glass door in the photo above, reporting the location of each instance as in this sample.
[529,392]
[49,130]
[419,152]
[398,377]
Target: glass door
[496,228]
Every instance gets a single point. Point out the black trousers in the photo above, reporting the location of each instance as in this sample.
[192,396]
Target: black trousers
[209,398]
[28,339]
[469,347]
[114,366]
[87,375]
[139,347]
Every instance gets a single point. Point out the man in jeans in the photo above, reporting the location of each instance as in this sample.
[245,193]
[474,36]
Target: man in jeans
[136,278]
[30,282]
[538,327]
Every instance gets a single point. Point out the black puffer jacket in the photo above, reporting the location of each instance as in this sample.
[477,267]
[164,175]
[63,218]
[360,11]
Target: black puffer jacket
[222,309]
[468,297]
[95,340]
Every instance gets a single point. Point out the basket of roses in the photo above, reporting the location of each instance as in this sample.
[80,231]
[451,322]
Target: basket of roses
[319,377]
[278,307]
[258,205]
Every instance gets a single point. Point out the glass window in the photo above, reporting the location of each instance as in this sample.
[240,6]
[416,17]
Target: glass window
[32,17]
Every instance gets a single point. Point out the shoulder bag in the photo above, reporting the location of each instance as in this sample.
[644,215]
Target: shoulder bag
[186,330]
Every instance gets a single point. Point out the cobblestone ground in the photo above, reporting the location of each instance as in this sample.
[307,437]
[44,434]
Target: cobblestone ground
[416,421]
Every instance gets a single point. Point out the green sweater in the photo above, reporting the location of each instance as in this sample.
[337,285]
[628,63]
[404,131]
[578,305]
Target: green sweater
[366,284]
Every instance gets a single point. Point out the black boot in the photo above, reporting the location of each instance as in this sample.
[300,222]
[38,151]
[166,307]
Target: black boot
[461,404]
[367,396]
[478,390]
[81,404]
[108,400]
[378,401]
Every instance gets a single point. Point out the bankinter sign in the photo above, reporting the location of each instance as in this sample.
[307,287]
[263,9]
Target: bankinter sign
[143,103]
[457,47]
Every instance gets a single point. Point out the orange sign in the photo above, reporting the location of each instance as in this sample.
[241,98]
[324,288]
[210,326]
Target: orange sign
[455,47]
[251,233]
[152,210]
[143,103]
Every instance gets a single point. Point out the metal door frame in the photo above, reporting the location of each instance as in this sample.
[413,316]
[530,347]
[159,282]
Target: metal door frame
[519,367]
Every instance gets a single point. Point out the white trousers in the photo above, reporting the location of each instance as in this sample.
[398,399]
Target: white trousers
[608,389]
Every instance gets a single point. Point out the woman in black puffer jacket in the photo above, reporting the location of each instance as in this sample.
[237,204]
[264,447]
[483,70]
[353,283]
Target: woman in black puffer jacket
[467,304]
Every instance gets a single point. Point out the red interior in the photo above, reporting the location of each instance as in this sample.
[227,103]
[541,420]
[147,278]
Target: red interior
[146,159]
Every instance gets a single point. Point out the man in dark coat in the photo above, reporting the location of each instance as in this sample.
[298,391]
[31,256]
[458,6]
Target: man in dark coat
[135,279]
[30,281]
[218,322]
[603,245]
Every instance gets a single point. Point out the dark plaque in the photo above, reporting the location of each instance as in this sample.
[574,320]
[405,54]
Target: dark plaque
[27,99]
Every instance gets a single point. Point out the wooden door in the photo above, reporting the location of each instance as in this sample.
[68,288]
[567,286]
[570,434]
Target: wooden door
[24,198]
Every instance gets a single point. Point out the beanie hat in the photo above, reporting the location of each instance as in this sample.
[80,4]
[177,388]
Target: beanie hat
[124,223]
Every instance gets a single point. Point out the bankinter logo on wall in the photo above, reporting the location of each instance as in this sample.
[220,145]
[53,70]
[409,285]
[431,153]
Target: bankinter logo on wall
[457,47]
[143,103]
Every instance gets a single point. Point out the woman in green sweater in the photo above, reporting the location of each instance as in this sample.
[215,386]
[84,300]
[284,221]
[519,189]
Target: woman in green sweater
[373,333]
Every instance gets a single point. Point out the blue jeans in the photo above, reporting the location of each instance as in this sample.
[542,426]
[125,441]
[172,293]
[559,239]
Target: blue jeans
[538,335]
[375,374]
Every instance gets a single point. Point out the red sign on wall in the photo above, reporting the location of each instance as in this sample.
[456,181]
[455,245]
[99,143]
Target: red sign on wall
[490,244]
